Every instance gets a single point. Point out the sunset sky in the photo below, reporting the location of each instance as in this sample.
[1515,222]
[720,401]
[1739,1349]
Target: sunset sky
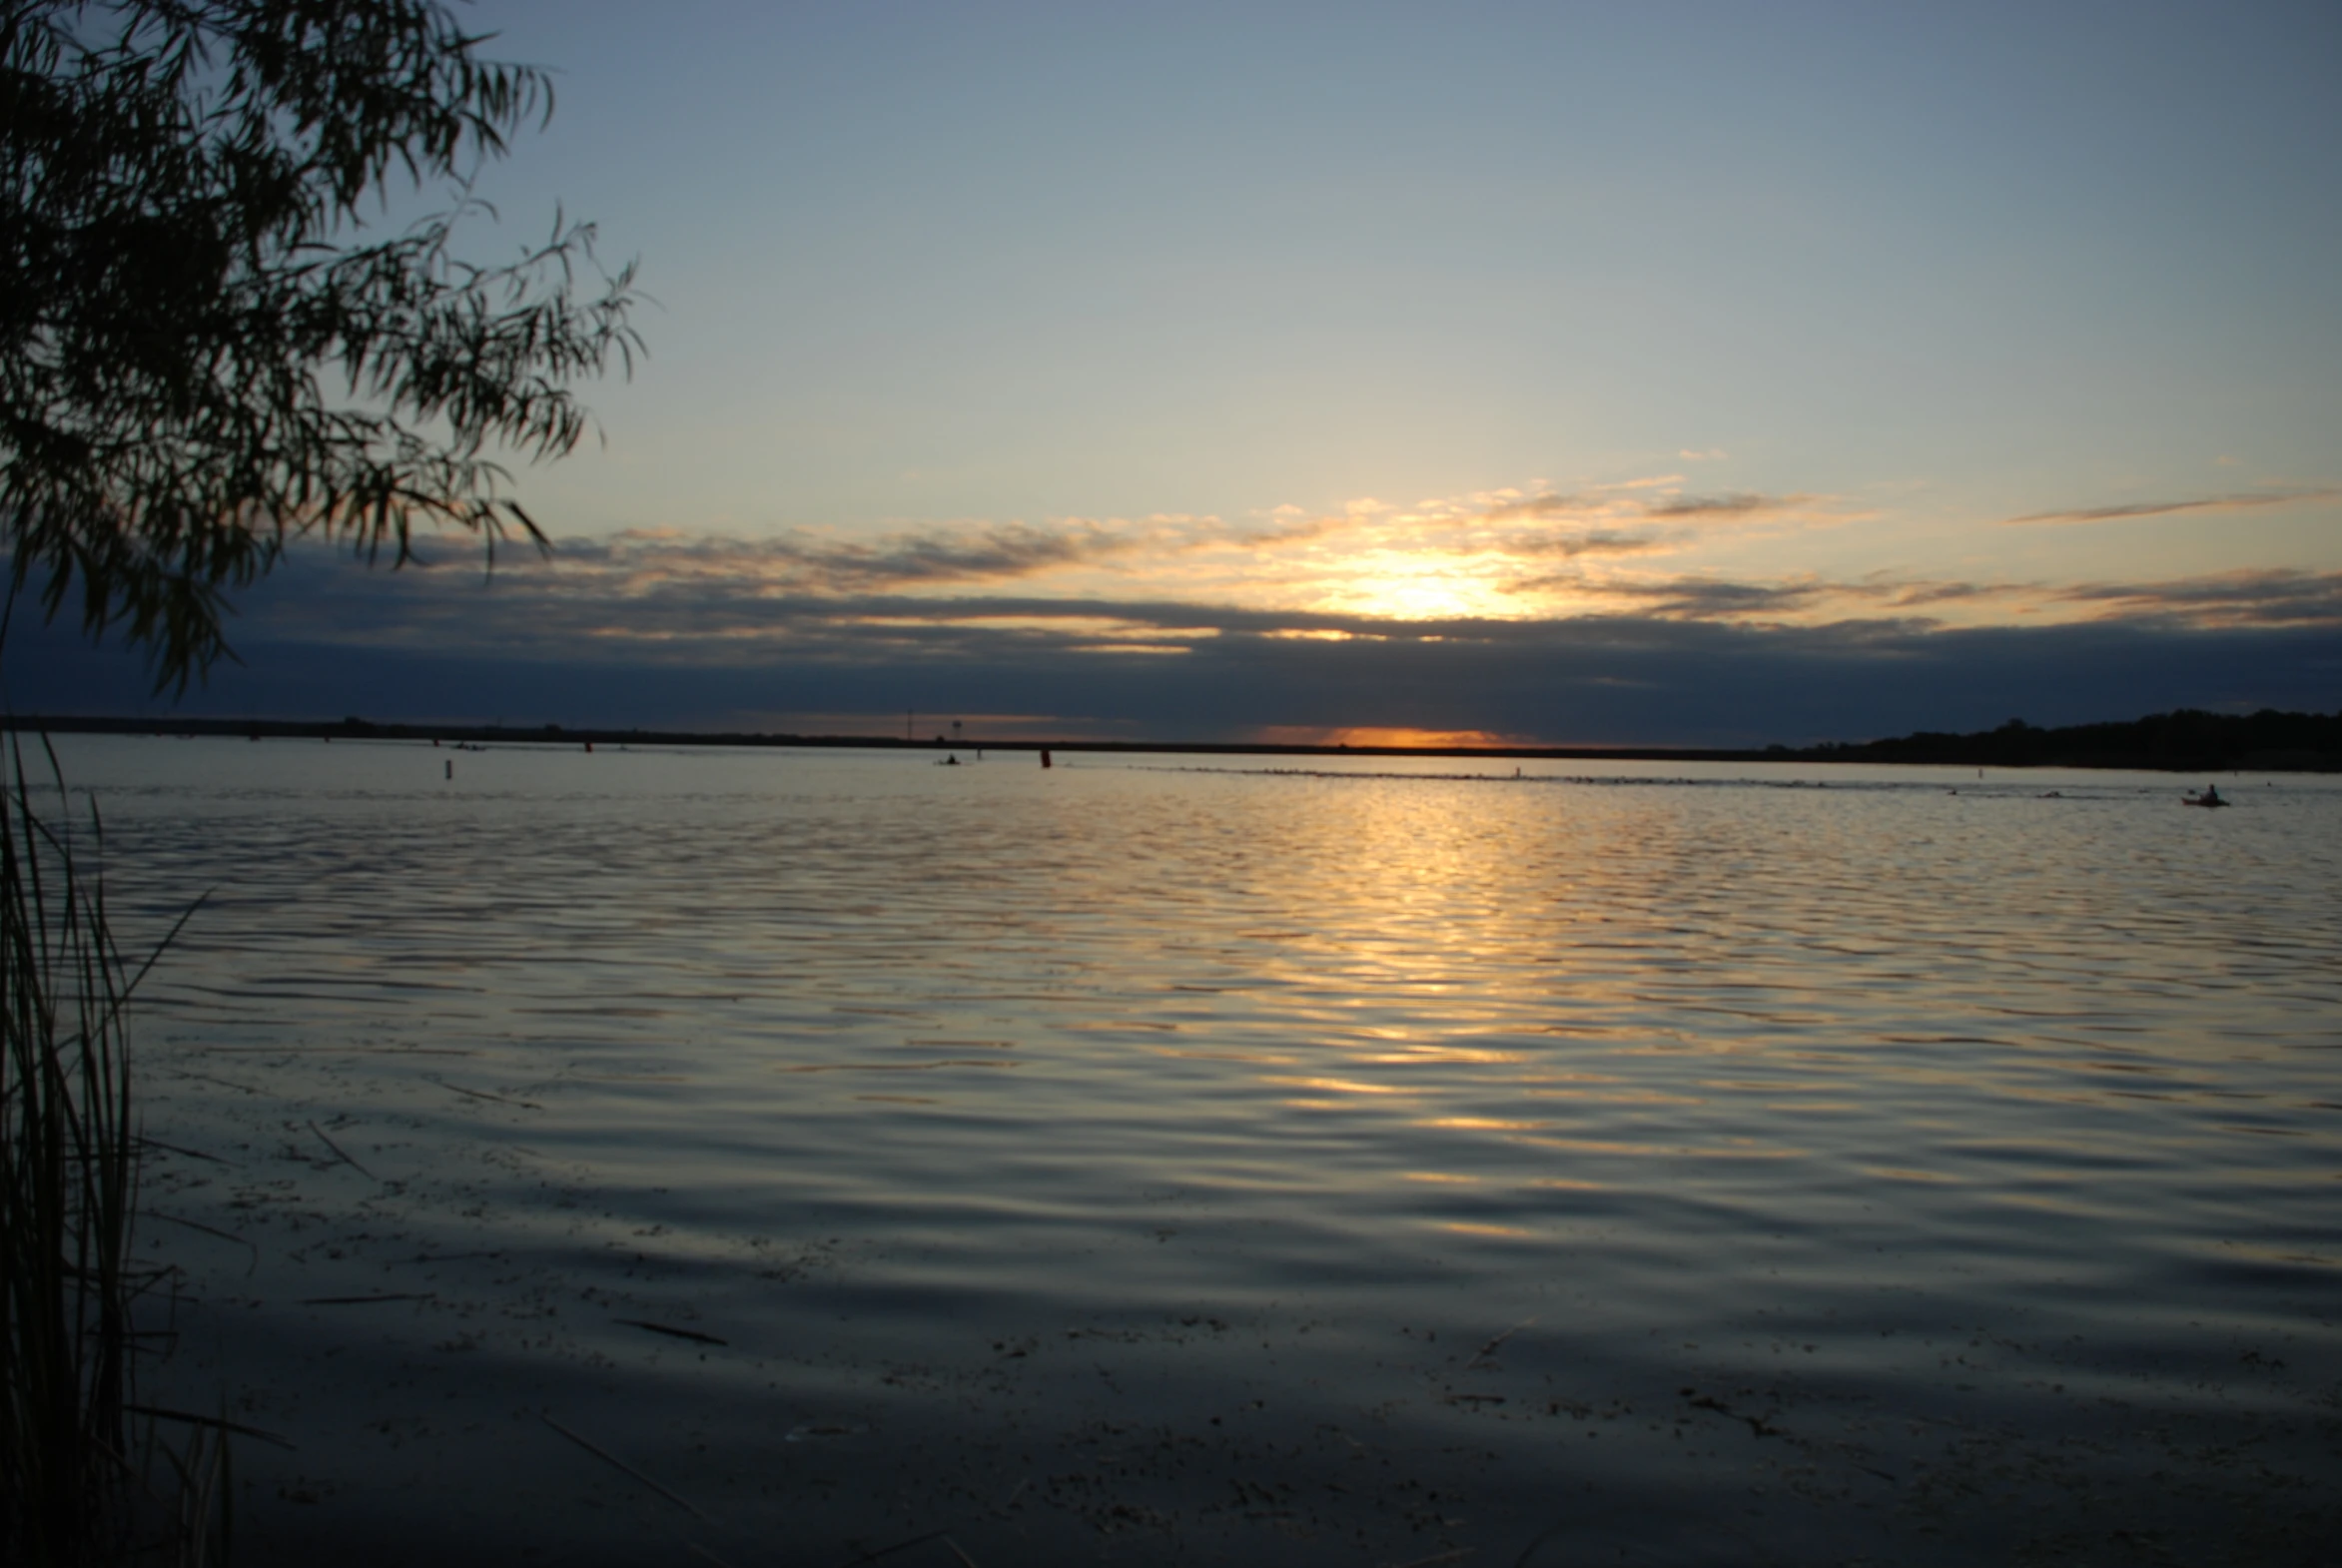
[1634,373]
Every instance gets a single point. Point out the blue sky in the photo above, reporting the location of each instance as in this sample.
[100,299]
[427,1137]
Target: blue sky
[1120,352]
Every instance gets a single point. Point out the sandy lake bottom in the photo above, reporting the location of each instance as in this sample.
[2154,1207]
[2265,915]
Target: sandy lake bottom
[781,1158]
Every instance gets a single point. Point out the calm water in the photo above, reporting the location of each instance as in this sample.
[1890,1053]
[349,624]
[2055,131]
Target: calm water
[1152,1161]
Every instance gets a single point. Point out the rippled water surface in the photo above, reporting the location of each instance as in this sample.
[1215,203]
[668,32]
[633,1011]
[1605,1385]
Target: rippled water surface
[1162,1160]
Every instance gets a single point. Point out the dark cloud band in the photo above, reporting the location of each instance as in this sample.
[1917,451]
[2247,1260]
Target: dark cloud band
[326,640]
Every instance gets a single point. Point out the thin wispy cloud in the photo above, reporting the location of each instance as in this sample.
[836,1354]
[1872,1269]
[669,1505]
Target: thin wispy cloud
[2240,598]
[1736,506]
[1908,595]
[1615,499]
[1707,598]
[1600,542]
[1548,505]
[817,564]
[2129,510]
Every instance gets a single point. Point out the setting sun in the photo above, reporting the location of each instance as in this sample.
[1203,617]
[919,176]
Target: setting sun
[1420,587]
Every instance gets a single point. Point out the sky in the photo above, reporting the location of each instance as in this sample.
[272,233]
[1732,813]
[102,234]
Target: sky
[1595,374]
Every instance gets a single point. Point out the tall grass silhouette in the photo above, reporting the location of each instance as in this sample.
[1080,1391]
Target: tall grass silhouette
[84,1477]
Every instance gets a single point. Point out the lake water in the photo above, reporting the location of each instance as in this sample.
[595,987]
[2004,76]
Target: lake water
[1162,1160]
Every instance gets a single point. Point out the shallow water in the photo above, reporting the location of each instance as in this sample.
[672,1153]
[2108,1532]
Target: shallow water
[1162,1159]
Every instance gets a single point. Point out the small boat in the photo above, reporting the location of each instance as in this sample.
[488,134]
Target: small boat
[2210,797]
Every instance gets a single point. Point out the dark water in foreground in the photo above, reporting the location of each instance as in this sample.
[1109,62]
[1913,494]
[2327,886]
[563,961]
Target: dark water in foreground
[1141,1163]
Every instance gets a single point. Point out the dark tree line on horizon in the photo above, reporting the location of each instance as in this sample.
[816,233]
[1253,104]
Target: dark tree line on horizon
[2188,739]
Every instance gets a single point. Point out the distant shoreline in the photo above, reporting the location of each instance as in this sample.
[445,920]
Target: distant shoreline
[562,735]
[2217,744]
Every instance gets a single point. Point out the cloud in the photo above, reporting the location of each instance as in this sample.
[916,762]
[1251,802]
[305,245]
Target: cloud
[2240,598]
[1907,595]
[1702,598]
[1547,505]
[1478,548]
[2165,508]
[942,558]
[813,562]
[2217,601]
[678,601]
[1598,541]
[1626,678]
[1536,611]
[1556,504]
[1736,506]
[1479,553]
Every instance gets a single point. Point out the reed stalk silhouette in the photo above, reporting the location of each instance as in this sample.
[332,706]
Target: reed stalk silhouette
[84,1477]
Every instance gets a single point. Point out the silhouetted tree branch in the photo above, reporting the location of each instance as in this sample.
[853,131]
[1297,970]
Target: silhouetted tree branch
[203,349]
